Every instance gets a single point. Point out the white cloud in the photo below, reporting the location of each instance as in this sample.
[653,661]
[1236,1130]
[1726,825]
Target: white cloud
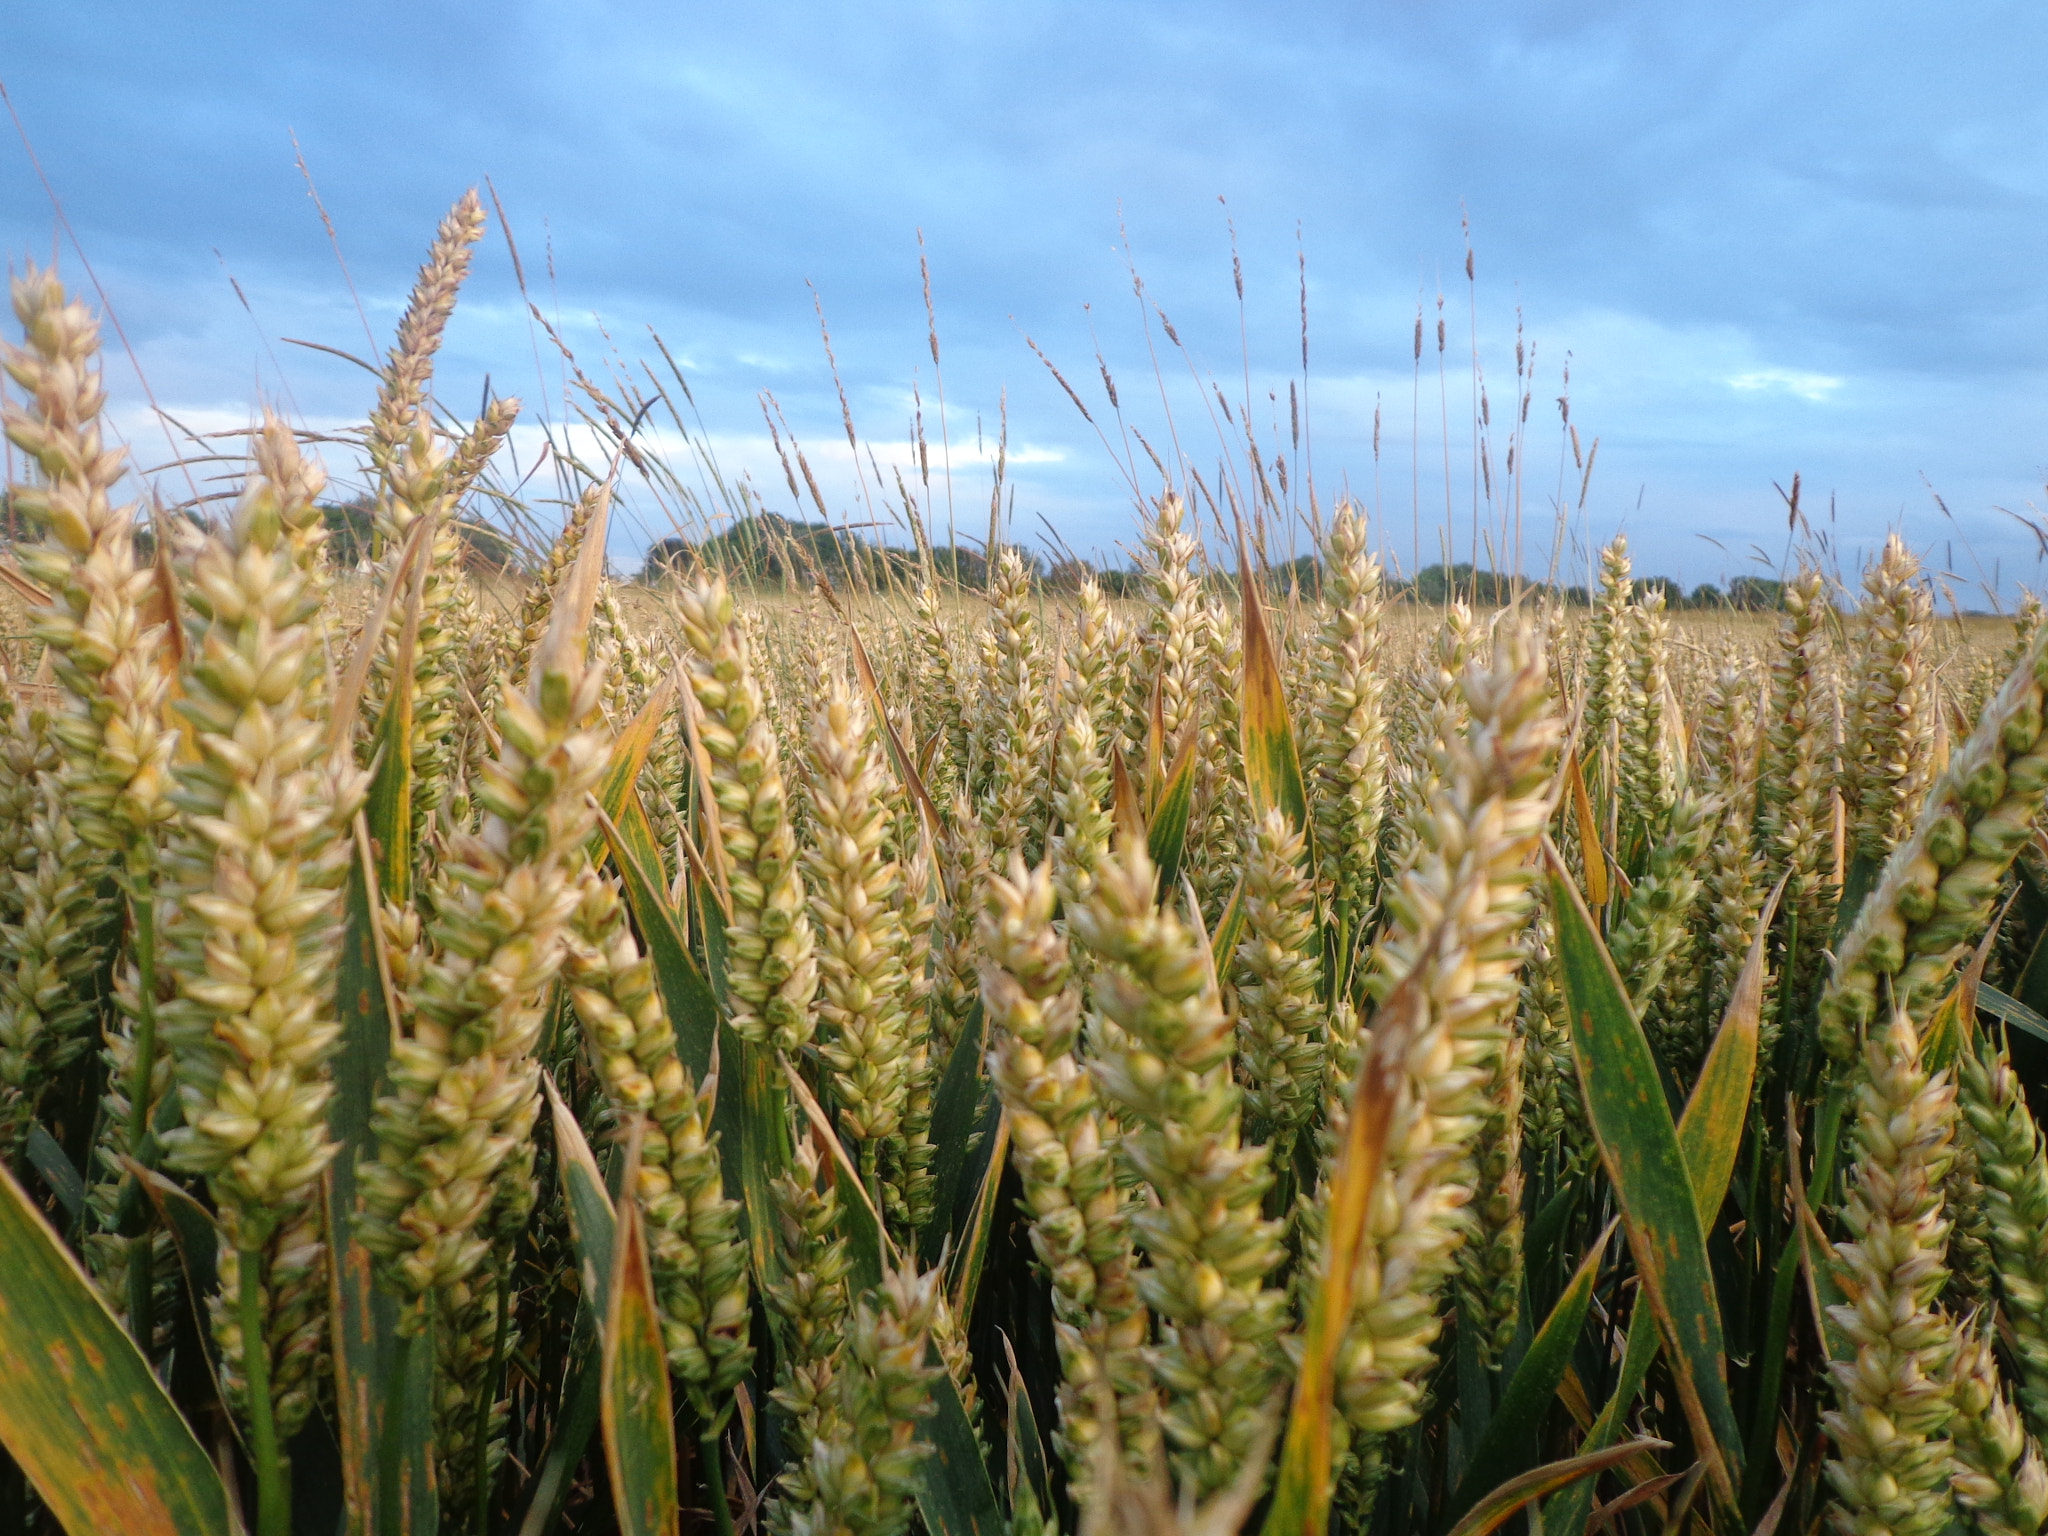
[1816,387]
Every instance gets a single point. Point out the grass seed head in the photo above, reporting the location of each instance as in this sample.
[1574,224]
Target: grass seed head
[106,648]
[1280,1026]
[1888,757]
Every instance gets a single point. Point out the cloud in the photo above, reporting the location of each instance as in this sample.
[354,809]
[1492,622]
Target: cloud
[1727,214]
[1816,387]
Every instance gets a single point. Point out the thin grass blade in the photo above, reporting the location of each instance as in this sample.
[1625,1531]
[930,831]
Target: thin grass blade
[970,1258]
[1710,1130]
[593,1220]
[1509,1444]
[2010,1010]
[1229,929]
[1709,1138]
[629,752]
[388,807]
[1499,1506]
[752,1120]
[64,1180]
[377,1496]
[1027,1464]
[348,692]
[954,1491]
[867,1242]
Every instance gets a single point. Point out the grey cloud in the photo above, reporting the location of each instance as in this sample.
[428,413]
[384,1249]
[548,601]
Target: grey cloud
[1707,191]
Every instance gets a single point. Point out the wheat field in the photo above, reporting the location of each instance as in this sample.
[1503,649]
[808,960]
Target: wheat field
[518,1051]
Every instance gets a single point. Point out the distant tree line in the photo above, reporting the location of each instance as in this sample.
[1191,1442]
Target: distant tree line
[1438,584]
[350,536]
[770,549]
[351,539]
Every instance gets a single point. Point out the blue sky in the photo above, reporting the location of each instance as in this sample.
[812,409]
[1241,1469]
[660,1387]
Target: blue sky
[1771,238]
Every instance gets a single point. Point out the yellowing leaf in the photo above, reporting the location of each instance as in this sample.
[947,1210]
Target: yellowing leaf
[1272,763]
[1590,851]
[638,1419]
[80,1411]
[1639,1145]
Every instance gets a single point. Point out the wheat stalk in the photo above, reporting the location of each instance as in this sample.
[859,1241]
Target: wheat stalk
[867,1033]
[1889,756]
[1346,736]
[1163,1060]
[454,1131]
[695,1252]
[1080,1223]
[1891,1465]
[1937,888]
[1471,870]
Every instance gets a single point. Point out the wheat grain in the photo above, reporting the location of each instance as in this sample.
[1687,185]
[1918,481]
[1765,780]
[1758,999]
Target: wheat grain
[2000,1131]
[695,1253]
[254,866]
[454,1131]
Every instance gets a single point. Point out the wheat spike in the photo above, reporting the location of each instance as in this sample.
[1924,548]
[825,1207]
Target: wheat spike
[1080,1224]
[1891,1466]
[1164,1062]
